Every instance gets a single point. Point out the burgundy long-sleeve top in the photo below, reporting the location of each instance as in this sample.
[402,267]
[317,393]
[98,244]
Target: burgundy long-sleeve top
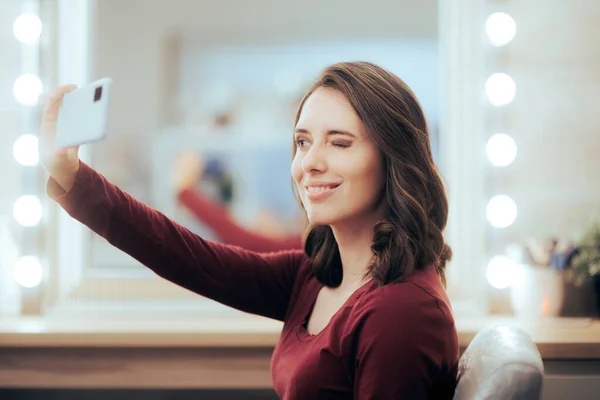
[216,217]
[396,341]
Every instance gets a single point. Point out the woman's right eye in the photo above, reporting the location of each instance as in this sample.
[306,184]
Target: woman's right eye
[301,142]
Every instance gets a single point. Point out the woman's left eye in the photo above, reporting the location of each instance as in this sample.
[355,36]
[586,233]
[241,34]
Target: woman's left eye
[341,144]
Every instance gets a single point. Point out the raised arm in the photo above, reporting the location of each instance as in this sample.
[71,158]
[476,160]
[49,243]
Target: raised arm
[219,221]
[249,281]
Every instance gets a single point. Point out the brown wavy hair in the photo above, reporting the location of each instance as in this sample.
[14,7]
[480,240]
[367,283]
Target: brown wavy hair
[410,236]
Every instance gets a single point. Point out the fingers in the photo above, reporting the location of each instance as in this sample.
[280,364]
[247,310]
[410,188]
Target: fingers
[53,101]
[61,90]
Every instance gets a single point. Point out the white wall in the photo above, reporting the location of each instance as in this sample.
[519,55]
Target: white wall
[254,68]
[131,38]
[555,117]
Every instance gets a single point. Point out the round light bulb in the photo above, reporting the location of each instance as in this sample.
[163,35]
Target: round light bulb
[500,28]
[27,89]
[27,210]
[28,271]
[501,211]
[25,150]
[500,272]
[501,150]
[500,89]
[27,28]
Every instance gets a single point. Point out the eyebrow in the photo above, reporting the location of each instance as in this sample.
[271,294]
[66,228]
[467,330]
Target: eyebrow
[329,132]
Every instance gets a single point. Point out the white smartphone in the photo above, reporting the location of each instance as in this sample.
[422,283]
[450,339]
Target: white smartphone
[83,114]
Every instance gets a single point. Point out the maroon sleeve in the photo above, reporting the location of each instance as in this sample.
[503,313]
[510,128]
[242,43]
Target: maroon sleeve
[218,220]
[403,347]
[251,282]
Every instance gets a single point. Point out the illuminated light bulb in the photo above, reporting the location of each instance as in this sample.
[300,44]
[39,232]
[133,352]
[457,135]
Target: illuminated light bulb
[27,28]
[28,271]
[500,28]
[501,272]
[501,211]
[501,150]
[25,150]
[27,89]
[27,210]
[500,89]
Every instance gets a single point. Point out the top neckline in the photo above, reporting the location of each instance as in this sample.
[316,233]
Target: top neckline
[302,328]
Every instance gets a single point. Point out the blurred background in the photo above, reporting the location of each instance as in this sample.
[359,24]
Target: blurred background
[201,116]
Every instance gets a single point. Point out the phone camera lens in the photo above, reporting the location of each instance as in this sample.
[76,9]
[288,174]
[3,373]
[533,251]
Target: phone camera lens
[98,94]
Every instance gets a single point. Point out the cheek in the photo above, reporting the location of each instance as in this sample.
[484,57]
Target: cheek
[368,175]
[296,169]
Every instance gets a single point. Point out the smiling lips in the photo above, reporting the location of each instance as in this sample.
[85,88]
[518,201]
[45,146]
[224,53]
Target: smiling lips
[319,191]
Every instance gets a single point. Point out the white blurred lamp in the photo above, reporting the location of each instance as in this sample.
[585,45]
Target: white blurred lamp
[501,211]
[500,89]
[500,29]
[500,272]
[27,89]
[27,28]
[27,210]
[501,149]
[25,150]
[28,271]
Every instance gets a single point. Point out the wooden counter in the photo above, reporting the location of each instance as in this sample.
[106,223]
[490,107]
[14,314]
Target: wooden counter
[229,352]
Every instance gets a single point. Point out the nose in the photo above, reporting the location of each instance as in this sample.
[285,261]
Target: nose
[314,160]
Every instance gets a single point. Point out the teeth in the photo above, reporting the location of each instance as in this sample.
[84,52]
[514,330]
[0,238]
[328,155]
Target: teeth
[316,189]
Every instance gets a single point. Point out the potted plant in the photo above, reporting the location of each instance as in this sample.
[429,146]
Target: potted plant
[584,265]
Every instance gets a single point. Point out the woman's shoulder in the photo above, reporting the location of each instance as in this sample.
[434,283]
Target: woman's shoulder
[419,297]
[407,325]
[414,313]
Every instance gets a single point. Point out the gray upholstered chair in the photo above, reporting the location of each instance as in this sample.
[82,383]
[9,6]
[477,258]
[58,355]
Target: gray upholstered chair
[500,363]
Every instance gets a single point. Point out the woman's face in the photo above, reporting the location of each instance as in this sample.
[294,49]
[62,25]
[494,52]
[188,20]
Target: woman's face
[337,169]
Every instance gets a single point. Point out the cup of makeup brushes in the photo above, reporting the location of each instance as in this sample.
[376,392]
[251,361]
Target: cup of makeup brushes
[537,291]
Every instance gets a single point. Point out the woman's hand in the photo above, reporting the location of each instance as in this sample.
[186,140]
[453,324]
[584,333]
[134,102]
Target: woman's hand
[189,167]
[61,163]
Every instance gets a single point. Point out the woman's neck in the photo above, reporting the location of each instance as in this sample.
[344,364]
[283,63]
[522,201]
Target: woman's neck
[354,239]
[354,243]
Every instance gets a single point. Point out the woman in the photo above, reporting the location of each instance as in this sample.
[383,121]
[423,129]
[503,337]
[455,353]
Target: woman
[188,170]
[365,312]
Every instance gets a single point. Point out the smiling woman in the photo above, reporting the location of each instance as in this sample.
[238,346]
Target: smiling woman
[157,87]
[364,307]
[334,154]
[367,162]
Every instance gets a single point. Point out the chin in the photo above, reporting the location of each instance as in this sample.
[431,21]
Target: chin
[322,217]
